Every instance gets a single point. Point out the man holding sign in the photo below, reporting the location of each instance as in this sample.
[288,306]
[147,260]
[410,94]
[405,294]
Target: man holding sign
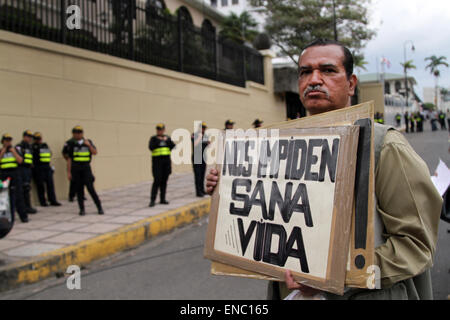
[407,202]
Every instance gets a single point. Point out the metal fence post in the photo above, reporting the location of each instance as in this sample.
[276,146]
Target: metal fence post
[215,57]
[180,43]
[131,13]
[63,21]
[244,67]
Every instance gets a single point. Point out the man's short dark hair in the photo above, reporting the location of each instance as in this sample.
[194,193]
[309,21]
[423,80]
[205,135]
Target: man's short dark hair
[348,56]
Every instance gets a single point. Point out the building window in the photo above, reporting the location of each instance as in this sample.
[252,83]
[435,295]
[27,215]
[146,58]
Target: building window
[387,88]
[398,86]
[214,3]
[224,3]
[235,2]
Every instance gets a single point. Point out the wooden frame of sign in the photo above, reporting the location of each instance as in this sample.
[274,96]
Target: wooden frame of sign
[312,230]
[355,276]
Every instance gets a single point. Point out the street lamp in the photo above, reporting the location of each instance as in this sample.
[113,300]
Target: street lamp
[404,66]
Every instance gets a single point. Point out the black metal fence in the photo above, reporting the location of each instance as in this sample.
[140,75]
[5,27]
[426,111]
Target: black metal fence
[138,32]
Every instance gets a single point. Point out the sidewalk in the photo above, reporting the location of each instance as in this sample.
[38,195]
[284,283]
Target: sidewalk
[57,237]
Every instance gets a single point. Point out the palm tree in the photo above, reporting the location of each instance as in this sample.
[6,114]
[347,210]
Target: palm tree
[360,62]
[407,66]
[435,63]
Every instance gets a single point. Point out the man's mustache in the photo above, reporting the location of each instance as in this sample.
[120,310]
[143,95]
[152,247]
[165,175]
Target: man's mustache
[315,88]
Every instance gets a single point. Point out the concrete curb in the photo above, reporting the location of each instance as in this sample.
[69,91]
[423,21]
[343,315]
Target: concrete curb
[57,261]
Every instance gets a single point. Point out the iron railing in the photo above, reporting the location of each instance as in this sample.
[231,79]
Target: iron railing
[131,30]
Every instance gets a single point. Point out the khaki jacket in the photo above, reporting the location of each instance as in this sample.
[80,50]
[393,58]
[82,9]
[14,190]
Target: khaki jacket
[409,206]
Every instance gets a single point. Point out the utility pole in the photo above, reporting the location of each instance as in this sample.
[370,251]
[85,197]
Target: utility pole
[334,21]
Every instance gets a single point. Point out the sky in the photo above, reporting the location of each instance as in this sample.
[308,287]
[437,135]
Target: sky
[425,22]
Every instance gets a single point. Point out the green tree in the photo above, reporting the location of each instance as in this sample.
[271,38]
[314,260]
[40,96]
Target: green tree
[292,24]
[360,62]
[240,28]
[433,66]
[429,106]
[408,65]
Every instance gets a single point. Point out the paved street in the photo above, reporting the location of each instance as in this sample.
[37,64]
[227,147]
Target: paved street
[173,267]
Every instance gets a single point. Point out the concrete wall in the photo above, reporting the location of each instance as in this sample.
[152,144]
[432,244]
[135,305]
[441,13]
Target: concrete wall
[372,91]
[50,87]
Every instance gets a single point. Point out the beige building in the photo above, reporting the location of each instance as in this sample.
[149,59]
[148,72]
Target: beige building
[51,87]
[429,96]
[394,90]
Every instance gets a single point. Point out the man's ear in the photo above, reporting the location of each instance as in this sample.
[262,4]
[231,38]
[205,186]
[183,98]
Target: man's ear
[353,82]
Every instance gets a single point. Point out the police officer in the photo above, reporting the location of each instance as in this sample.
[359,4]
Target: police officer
[25,151]
[43,172]
[412,121]
[9,168]
[406,117]
[66,155]
[447,115]
[377,117]
[160,145]
[200,142]
[398,119]
[229,125]
[419,122]
[442,120]
[80,152]
[257,123]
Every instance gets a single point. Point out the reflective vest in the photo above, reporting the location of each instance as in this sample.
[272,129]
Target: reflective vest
[441,116]
[398,118]
[26,152]
[81,154]
[162,151]
[45,155]
[8,161]
[27,157]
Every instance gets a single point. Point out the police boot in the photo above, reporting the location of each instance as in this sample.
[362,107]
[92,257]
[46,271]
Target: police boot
[23,217]
[152,202]
[28,207]
[82,211]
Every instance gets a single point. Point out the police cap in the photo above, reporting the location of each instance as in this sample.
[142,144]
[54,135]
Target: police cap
[6,136]
[37,136]
[77,129]
[28,133]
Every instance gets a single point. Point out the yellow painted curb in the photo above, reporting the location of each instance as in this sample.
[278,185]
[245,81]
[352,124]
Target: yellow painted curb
[45,265]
